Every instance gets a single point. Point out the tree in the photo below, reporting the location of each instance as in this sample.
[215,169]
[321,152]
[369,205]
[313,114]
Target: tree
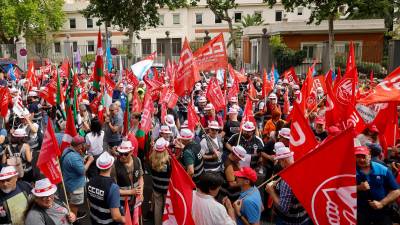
[220,8]
[329,10]
[33,18]
[134,15]
[251,20]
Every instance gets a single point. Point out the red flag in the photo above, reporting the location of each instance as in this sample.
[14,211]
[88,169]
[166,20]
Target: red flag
[371,78]
[328,81]
[65,68]
[192,117]
[215,95]
[302,138]
[332,115]
[351,59]
[319,82]
[267,87]
[156,76]
[248,112]
[329,195]
[386,91]
[70,130]
[212,56]
[168,97]
[240,77]
[338,76]
[148,109]
[163,112]
[131,78]
[137,104]
[307,99]
[286,103]
[344,93]
[4,101]
[178,202]
[30,75]
[109,85]
[128,220]
[47,161]
[234,90]
[47,93]
[291,75]
[252,92]
[187,73]
[151,84]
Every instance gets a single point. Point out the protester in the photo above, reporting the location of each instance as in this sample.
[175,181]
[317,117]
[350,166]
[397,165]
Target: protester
[205,209]
[113,126]
[104,195]
[192,158]
[212,147]
[376,189]
[45,208]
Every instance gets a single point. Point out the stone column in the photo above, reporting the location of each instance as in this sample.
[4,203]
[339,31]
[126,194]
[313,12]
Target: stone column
[265,56]
[67,48]
[168,48]
[325,57]
[22,61]
[394,55]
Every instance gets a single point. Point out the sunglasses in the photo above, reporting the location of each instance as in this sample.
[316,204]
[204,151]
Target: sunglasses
[124,154]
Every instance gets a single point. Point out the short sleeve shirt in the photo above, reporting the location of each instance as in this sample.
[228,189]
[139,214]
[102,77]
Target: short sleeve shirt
[251,206]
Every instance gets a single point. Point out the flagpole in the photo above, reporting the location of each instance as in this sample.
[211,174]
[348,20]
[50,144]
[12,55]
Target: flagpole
[315,107]
[62,180]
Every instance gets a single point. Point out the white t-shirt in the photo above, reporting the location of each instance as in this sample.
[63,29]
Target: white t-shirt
[207,211]
[95,142]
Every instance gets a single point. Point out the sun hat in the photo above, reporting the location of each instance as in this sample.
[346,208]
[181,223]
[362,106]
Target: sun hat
[165,130]
[214,125]
[208,107]
[272,96]
[20,132]
[185,124]
[44,188]
[278,145]
[8,172]
[202,99]
[232,110]
[170,120]
[285,133]
[125,146]
[186,134]
[239,151]
[104,161]
[161,145]
[282,153]
[361,150]
[233,99]
[246,172]
[248,126]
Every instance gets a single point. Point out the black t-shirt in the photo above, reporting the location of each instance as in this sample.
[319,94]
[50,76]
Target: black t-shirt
[231,128]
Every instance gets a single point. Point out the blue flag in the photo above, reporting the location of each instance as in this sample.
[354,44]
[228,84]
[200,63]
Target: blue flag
[10,72]
[276,75]
[109,57]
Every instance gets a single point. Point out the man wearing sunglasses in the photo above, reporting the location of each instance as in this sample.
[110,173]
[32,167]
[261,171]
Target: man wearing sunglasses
[211,147]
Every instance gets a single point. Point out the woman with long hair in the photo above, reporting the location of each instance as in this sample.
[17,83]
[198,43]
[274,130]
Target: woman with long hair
[94,140]
[160,166]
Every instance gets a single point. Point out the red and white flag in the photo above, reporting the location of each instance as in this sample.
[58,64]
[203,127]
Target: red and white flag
[248,114]
[47,161]
[192,117]
[239,76]
[178,202]
[131,78]
[267,87]
[212,56]
[70,130]
[302,138]
[234,90]
[187,73]
[4,101]
[215,95]
[147,115]
[168,97]
[291,75]
[329,195]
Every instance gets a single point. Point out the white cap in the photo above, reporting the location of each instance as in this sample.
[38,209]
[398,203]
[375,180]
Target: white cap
[239,151]
[165,129]
[169,120]
[186,134]
[209,106]
[282,153]
[272,96]
[285,133]
[44,188]
[20,132]
[202,99]
[8,172]
[249,126]
[213,125]
[105,161]
[125,146]
[161,145]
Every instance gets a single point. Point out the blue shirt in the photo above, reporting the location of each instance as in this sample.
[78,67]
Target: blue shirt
[251,205]
[73,170]
[113,199]
[381,182]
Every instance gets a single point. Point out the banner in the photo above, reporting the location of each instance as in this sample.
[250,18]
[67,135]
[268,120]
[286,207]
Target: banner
[187,74]
[215,95]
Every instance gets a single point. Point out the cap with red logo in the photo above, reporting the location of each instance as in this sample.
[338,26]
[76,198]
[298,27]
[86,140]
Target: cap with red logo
[248,173]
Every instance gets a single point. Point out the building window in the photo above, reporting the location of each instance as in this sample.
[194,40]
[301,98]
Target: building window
[72,23]
[217,19]
[310,50]
[176,46]
[278,16]
[57,47]
[176,19]
[161,20]
[90,46]
[89,23]
[199,18]
[160,46]
[300,11]
[146,46]
[258,14]
[74,46]
[238,17]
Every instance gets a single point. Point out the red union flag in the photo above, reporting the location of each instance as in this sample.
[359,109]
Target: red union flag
[178,202]
[49,152]
[291,75]
[302,139]
[319,82]
[110,86]
[386,91]
[192,117]
[212,56]
[240,77]
[215,95]
[168,97]
[4,98]
[329,196]
[148,109]
[131,78]
[187,74]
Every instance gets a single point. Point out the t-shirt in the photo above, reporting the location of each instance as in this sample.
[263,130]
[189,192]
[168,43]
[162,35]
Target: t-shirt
[57,213]
[116,120]
[95,142]
[231,128]
[113,199]
[207,211]
[251,206]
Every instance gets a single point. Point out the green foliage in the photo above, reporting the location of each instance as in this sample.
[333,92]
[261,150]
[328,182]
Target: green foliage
[362,67]
[220,8]
[284,56]
[88,58]
[33,18]
[251,20]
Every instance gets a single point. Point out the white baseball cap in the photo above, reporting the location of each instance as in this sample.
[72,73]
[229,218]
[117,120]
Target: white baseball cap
[214,125]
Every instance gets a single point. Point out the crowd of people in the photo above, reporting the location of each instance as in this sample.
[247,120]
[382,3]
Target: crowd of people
[226,157]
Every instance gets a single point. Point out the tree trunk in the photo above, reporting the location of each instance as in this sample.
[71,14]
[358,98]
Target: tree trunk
[130,46]
[233,37]
[331,43]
